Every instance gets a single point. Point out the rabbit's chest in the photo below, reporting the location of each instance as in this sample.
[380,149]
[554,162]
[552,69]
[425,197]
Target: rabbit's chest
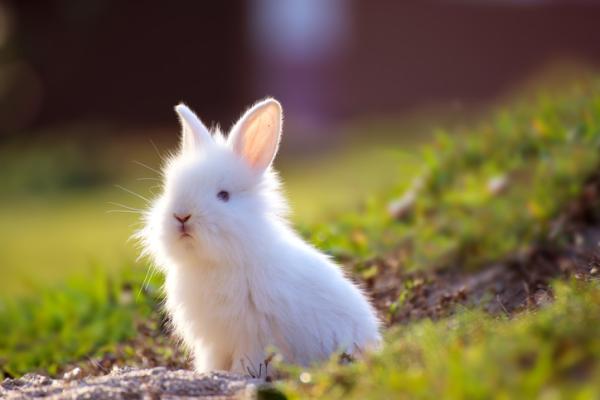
[210,300]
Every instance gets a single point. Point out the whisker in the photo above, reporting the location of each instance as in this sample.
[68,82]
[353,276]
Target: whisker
[123,211]
[146,166]
[133,193]
[148,179]
[156,149]
[140,257]
[124,206]
[153,190]
[147,278]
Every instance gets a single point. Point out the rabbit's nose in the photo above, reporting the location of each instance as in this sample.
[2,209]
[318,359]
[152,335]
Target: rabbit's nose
[182,218]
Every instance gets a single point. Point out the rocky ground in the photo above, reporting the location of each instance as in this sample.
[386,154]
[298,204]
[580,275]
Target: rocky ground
[128,383]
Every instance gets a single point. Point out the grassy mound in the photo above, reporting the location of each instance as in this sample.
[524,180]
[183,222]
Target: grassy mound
[484,193]
[488,194]
[551,353]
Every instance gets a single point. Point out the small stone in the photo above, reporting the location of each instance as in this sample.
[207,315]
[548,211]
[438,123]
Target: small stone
[403,207]
[36,379]
[305,377]
[542,298]
[73,374]
[497,185]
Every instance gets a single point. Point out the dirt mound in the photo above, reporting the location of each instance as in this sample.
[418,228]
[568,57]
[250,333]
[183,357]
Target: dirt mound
[570,250]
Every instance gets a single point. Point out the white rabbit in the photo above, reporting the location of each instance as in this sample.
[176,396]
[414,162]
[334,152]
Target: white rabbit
[238,278]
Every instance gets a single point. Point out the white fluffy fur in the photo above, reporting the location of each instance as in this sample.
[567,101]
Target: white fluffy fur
[245,281]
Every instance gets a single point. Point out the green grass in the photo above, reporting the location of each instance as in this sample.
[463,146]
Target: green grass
[553,353]
[83,317]
[543,148]
[50,240]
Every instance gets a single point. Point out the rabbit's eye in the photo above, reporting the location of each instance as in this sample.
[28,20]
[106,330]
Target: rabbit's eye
[223,195]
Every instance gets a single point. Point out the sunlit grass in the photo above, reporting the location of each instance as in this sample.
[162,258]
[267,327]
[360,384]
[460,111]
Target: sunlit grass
[321,189]
[47,239]
[71,321]
[542,149]
[50,236]
[545,149]
[551,353]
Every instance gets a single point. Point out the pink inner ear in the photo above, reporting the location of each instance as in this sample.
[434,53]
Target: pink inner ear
[259,147]
[260,139]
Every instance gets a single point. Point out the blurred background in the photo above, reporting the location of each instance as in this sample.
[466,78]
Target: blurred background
[87,89]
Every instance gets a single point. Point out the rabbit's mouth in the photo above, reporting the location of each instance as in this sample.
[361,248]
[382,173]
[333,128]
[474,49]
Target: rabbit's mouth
[184,232]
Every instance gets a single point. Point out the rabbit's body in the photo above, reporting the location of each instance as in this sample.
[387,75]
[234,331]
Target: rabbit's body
[278,292]
[238,278]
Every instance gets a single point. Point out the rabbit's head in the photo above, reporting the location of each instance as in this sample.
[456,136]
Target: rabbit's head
[217,192]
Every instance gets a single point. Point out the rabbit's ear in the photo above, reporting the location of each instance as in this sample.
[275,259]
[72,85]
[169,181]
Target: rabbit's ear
[255,137]
[194,134]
